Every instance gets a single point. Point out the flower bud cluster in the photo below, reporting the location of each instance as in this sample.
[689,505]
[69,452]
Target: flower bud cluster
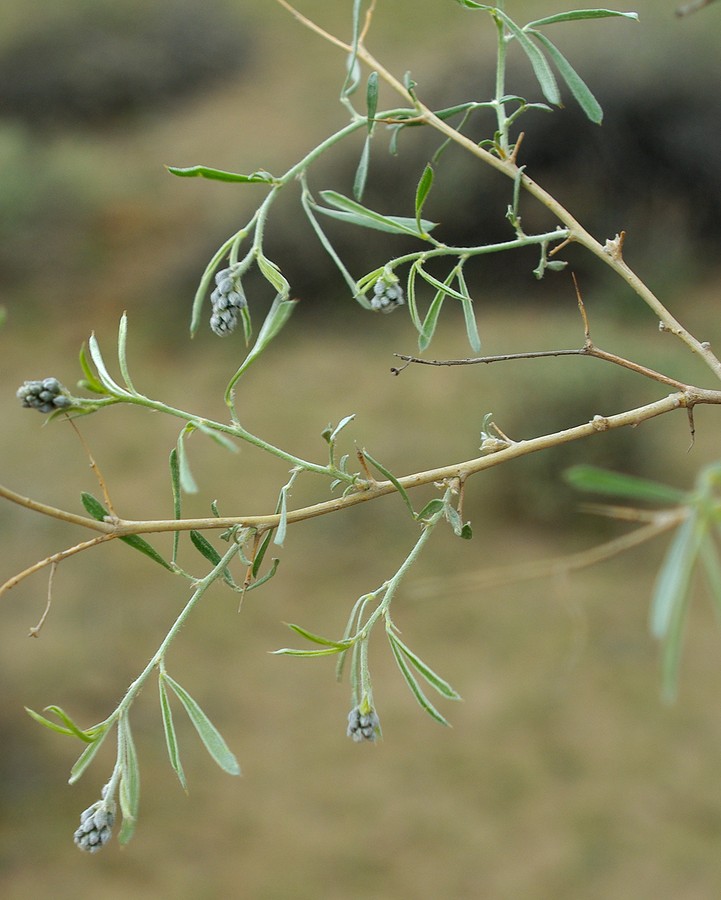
[46,396]
[96,826]
[228,300]
[363,726]
[387,294]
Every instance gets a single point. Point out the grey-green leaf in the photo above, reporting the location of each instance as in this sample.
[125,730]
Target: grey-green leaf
[415,688]
[674,575]
[86,757]
[171,739]
[575,14]
[129,793]
[425,670]
[208,733]
[576,84]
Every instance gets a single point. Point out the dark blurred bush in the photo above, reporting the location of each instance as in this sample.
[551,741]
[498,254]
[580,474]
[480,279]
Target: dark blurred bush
[110,61]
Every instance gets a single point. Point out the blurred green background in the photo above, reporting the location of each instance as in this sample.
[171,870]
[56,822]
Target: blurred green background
[564,775]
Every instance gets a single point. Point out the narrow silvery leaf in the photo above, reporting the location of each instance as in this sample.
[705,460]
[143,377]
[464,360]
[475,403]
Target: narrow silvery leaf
[580,14]
[423,669]
[280,533]
[90,382]
[96,509]
[538,61]
[290,651]
[272,273]
[415,688]
[674,576]
[474,339]
[424,186]
[108,383]
[361,175]
[129,793]
[353,68]
[203,546]
[372,98]
[340,426]
[392,478]
[576,84]
[175,489]
[86,757]
[187,482]
[122,352]
[209,734]
[278,315]
[350,211]
[170,737]
[411,296]
[442,286]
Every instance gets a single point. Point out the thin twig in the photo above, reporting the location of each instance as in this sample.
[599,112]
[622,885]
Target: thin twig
[94,466]
[35,630]
[595,352]
[54,560]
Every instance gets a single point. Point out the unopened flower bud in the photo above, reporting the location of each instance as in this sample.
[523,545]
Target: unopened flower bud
[227,301]
[45,395]
[363,726]
[96,826]
[387,293]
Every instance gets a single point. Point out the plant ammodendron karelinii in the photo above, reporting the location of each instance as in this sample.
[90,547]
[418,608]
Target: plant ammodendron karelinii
[420,282]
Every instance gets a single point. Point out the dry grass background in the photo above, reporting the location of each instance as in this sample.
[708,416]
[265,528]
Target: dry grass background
[564,776]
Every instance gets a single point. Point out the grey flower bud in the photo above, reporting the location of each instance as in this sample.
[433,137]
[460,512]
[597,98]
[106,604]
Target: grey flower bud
[363,726]
[96,826]
[45,395]
[227,300]
[387,294]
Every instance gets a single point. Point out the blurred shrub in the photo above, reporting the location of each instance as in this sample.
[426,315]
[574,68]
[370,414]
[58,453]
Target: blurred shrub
[100,63]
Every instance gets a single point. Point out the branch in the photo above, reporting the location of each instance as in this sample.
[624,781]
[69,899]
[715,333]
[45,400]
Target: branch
[609,253]
[541,354]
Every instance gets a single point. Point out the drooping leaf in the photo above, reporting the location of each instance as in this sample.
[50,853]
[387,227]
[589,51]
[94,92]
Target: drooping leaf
[674,575]
[318,639]
[87,756]
[539,63]
[95,508]
[433,679]
[392,478]
[469,317]
[171,739]
[422,190]
[208,733]
[129,793]
[372,98]
[361,175]
[204,547]
[415,688]
[578,87]
[347,210]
